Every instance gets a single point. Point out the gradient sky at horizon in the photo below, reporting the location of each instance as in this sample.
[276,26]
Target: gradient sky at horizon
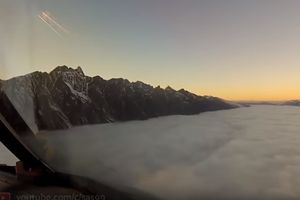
[234,49]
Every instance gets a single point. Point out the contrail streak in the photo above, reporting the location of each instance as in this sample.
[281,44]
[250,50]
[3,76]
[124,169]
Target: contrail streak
[52,23]
[47,14]
[50,26]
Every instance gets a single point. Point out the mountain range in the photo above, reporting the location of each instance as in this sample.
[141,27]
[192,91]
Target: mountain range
[66,97]
[292,103]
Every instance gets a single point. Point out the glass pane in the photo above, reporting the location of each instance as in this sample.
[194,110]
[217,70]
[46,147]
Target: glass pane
[177,99]
[6,157]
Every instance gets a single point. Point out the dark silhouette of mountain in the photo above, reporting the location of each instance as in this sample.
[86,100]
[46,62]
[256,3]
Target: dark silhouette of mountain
[249,103]
[292,103]
[65,97]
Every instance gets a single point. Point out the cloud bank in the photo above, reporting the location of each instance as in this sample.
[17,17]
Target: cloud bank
[242,153]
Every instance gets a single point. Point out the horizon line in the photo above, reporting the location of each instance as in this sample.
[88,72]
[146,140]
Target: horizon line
[195,92]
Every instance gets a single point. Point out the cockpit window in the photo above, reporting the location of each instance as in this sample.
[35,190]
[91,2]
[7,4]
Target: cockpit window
[177,99]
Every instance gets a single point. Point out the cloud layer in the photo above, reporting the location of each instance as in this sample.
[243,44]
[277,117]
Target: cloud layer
[241,153]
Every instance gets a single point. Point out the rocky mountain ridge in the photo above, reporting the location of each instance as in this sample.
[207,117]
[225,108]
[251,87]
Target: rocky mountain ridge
[66,97]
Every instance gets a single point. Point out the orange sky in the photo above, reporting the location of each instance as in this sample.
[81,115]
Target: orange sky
[238,50]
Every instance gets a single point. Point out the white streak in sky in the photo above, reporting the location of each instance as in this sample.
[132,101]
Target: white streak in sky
[52,23]
[50,26]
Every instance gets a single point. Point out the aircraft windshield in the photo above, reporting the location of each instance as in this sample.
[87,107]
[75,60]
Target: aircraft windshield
[178,99]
